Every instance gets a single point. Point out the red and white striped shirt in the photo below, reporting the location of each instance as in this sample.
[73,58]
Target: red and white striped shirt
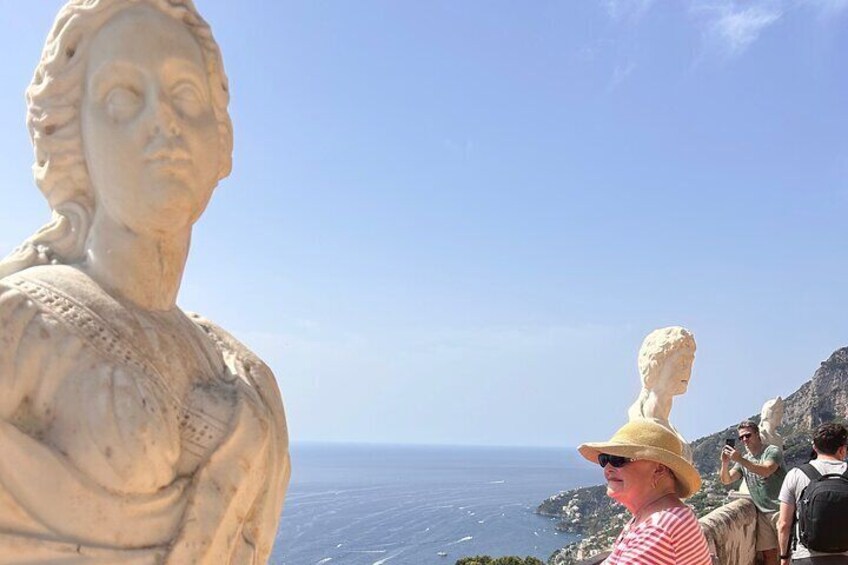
[668,537]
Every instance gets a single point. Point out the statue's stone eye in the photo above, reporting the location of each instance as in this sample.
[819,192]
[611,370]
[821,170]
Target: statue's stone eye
[122,103]
[188,99]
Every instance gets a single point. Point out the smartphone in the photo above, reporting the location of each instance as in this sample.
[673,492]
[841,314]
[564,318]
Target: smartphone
[730,441]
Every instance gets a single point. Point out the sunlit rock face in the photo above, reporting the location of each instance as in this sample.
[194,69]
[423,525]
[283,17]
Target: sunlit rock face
[824,398]
[131,432]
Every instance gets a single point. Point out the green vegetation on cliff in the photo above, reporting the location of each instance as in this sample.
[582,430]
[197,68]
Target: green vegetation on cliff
[509,560]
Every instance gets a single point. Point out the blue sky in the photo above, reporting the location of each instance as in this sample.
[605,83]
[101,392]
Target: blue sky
[454,222]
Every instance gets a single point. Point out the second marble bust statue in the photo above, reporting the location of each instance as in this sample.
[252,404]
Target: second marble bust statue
[665,367]
[130,431]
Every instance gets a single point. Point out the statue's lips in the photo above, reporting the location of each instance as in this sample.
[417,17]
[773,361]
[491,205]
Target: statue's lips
[171,158]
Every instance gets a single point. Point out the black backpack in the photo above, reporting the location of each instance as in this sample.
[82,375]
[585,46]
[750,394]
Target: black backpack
[823,511]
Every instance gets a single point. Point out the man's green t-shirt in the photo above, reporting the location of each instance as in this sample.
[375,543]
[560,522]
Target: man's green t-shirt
[764,491]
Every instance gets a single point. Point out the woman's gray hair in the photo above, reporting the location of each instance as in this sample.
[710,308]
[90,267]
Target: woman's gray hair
[54,101]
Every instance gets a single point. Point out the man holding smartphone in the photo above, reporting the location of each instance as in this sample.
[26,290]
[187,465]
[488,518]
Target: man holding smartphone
[763,469]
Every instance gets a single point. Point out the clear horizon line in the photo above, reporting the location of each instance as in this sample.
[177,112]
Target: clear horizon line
[365,443]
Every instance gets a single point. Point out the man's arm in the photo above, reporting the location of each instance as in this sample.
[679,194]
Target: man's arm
[787,512]
[725,475]
[784,529]
[764,470]
[771,464]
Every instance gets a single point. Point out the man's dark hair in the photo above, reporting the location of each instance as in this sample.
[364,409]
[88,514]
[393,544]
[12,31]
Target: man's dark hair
[828,438]
[749,425]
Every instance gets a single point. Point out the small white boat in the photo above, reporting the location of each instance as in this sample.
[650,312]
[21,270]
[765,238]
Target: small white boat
[442,554]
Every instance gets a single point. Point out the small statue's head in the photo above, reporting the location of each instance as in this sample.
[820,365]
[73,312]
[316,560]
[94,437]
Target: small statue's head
[113,75]
[665,360]
[772,411]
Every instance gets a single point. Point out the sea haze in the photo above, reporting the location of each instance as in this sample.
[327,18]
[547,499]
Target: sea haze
[403,505]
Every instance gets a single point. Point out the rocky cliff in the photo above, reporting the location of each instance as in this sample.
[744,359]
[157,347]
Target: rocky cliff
[824,398]
[589,512]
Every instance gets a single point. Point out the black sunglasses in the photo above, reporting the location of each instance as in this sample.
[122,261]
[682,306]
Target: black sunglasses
[745,436]
[614,460]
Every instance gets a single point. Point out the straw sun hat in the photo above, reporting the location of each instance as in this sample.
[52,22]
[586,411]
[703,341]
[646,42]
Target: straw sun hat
[645,439]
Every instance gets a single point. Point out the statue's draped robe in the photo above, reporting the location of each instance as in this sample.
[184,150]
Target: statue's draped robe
[129,436]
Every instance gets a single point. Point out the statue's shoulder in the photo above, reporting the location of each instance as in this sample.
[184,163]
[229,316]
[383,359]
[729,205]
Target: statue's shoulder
[264,396]
[54,279]
[242,362]
[63,291]
[33,289]
[40,320]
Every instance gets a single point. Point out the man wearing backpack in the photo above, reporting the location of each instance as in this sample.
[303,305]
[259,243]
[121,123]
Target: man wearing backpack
[817,504]
[763,469]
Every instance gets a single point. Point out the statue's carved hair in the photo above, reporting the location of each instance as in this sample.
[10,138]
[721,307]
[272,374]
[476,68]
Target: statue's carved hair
[658,346]
[54,101]
[771,409]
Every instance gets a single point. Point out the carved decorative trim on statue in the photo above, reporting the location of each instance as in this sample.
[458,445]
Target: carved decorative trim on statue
[665,367]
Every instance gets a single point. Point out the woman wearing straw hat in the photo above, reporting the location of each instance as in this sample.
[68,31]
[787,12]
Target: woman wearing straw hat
[646,472]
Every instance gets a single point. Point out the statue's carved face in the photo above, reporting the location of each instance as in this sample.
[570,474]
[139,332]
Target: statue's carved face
[676,372]
[149,130]
[773,411]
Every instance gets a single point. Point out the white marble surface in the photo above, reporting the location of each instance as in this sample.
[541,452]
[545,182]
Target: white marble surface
[665,367]
[132,432]
[771,416]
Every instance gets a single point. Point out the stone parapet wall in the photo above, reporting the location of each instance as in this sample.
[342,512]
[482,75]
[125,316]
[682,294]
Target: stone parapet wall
[731,532]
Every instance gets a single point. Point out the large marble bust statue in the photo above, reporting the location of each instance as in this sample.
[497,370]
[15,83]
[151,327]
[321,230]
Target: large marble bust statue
[130,431]
[665,367]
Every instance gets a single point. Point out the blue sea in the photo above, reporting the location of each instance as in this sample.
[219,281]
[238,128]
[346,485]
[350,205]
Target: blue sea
[403,505]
